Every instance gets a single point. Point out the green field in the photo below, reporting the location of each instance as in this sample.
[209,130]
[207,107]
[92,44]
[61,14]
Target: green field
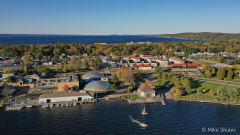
[134,96]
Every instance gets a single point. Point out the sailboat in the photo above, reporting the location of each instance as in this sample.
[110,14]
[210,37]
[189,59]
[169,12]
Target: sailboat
[144,111]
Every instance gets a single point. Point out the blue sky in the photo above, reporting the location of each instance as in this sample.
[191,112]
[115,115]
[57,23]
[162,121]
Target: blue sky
[104,17]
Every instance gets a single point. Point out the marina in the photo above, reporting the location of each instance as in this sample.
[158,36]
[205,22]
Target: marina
[34,103]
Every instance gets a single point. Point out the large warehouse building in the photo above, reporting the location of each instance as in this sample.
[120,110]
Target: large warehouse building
[68,96]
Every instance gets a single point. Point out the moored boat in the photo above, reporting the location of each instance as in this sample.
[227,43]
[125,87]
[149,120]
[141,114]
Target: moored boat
[144,111]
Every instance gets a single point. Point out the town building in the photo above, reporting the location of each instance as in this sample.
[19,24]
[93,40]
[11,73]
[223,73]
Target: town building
[146,91]
[97,86]
[66,96]
[92,75]
[176,60]
[143,67]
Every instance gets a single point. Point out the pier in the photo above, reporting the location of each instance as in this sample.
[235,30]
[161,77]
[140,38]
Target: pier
[147,100]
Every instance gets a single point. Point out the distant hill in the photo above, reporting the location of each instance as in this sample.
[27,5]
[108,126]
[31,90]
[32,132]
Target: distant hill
[202,36]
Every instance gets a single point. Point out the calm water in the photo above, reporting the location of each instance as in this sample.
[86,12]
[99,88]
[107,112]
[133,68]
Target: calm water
[113,118]
[47,39]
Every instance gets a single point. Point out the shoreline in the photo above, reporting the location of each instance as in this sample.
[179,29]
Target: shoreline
[206,101]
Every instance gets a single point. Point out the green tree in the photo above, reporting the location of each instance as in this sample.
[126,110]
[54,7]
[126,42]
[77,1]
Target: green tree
[9,79]
[41,69]
[230,74]
[236,93]
[158,69]
[139,76]
[199,90]
[208,73]
[189,91]
[8,70]
[222,92]
[27,59]
[211,92]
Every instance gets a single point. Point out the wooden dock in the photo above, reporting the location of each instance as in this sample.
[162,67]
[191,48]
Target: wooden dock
[147,100]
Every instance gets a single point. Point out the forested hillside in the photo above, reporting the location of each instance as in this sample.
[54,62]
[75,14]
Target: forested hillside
[202,36]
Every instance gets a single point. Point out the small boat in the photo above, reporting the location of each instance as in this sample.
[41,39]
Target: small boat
[43,106]
[74,103]
[28,106]
[51,105]
[66,104]
[62,104]
[46,105]
[144,125]
[70,104]
[144,111]
[57,105]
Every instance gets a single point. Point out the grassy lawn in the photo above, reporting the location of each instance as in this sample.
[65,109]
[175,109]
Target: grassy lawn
[8,97]
[134,96]
[205,95]
[1,103]
[201,96]
[207,86]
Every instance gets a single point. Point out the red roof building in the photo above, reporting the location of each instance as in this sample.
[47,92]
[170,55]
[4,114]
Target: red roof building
[146,91]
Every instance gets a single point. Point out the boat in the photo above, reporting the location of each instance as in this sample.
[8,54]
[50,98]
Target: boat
[57,105]
[144,111]
[74,103]
[144,125]
[43,106]
[66,104]
[28,106]
[70,104]
[136,121]
[62,104]
[51,105]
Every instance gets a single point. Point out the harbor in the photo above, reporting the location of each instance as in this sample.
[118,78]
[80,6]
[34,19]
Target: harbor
[35,103]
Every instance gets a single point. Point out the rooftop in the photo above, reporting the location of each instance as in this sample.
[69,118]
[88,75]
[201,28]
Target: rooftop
[146,88]
[65,94]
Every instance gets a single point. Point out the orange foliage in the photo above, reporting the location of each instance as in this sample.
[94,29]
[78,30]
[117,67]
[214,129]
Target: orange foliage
[119,72]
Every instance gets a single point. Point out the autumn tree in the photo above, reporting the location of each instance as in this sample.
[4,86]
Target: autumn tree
[25,68]
[203,68]
[147,82]
[65,88]
[65,69]
[127,76]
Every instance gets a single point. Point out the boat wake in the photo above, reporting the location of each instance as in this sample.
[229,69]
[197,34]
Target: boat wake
[136,121]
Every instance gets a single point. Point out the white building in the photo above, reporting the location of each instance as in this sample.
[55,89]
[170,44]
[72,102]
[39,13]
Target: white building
[146,91]
[68,96]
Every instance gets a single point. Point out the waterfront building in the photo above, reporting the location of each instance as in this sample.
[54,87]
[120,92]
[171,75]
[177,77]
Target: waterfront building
[61,97]
[146,91]
[97,86]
